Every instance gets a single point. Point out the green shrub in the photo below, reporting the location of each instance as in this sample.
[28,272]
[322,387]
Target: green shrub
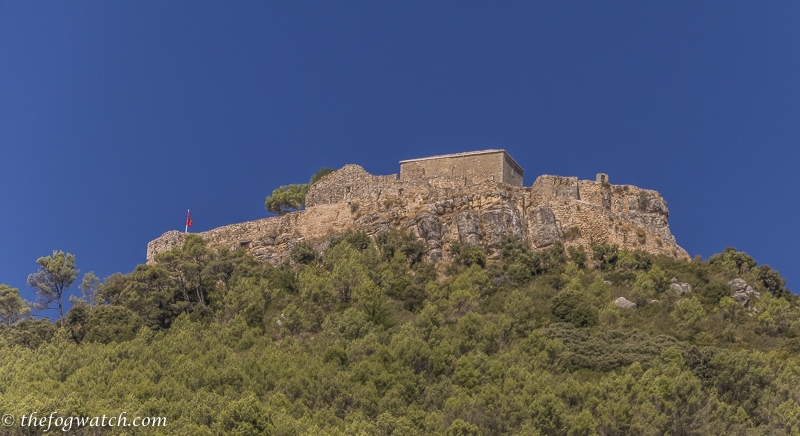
[304,253]
[514,250]
[578,255]
[631,261]
[111,324]
[468,255]
[400,241]
[551,259]
[607,351]
[772,280]
[605,254]
[571,306]
[641,236]
[336,355]
[359,240]
[324,171]
[520,273]
[737,261]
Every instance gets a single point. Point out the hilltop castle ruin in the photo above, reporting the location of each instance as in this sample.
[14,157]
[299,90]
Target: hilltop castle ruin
[475,197]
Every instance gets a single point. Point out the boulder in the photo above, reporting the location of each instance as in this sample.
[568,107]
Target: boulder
[681,288]
[624,303]
[742,292]
[738,285]
[740,297]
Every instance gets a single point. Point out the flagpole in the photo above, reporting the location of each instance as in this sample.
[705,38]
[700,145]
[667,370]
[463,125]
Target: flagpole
[187,222]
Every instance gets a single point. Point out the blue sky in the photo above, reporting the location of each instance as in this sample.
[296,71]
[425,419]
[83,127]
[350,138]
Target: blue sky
[117,117]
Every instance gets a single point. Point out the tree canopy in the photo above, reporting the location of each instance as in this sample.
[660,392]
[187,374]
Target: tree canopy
[286,199]
[369,339]
[55,276]
[291,198]
[12,307]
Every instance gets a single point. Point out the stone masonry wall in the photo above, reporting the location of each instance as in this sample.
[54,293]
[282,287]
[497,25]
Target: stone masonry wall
[473,168]
[512,173]
[442,210]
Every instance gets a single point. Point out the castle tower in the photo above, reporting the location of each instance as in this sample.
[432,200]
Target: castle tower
[473,166]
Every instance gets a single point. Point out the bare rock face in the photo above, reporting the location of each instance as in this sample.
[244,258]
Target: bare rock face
[494,226]
[624,303]
[469,228]
[514,225]
[431,232]
[443,210]
[543,227]
[498,223]
[742,292]
[650,203]
[681,288]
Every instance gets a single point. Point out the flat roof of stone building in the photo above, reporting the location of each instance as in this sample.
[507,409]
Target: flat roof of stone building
[466,153]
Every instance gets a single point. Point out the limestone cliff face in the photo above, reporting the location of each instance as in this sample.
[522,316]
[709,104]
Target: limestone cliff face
[441,211]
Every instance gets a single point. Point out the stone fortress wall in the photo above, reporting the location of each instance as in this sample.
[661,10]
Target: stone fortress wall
[473,167]
[468,207]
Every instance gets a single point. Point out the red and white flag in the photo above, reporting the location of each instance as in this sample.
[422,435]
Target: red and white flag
[188,221]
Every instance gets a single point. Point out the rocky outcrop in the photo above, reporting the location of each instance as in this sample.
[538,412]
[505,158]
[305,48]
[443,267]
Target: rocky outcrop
[681,288]
[500,222]
[742,293]
[443,210]
[431,231]
[543,227]
[624,303]
[469,228]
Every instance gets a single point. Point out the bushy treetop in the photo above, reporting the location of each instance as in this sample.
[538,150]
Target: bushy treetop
[292,197]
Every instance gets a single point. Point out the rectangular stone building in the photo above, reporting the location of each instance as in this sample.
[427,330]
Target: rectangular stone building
[473,166]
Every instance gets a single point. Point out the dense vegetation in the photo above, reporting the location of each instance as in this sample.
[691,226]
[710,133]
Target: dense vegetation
[367,339]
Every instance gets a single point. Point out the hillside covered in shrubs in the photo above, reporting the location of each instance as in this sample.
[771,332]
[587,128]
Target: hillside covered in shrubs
[367,339]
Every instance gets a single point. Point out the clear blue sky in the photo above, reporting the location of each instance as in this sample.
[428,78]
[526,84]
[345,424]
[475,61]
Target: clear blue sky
[117,117]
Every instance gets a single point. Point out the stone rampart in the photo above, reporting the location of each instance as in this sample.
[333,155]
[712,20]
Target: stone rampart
[442,210]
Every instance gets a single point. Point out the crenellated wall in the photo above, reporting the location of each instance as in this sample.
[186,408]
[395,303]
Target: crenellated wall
[442,210]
